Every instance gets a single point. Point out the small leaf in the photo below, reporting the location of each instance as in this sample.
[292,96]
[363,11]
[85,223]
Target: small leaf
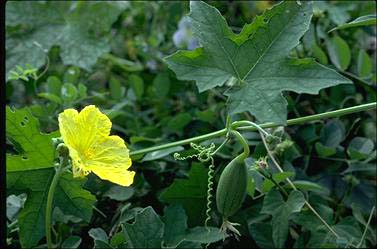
[51,97]
[359,166]
[360,148]
[360,21]
[98,234]
[319,54]
[323,150]
[54,85]
[309,186]
[118,239]
[115,88]
[72,242]
[364,64]
[161,85]
[82,90]
[71,75]
[339,52]
[333,133]
[137,85]
[69,92]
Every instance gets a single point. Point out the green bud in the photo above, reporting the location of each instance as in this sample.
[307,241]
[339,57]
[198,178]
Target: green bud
[62,150]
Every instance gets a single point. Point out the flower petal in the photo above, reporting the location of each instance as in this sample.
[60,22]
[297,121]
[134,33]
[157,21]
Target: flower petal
[81,130]
[110,161]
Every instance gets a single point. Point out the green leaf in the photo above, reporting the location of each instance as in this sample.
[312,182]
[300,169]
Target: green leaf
[71,75]
[319,54]
[191,193]
[339,52]
[51,97]
[179,121]
[82,36]
[118,239]
[35,149]
[176,230]
[278,177]
[137,85]
[161,85]
[281,211]
[309,186]
[260,77]
[261,233]
[359,166]
[31,172]
[116,90]
[324,151]
[364,64]
[72,242]
[360,21]
[98,234]
[161,153]
[119,193]
[360,148]
[347,228]
[146,231]
[207,116]
[54,85]
[333,133]
[69,92]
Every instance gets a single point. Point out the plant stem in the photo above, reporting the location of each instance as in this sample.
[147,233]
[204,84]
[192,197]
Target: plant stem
[366,227]
[241,139]
[294,187]
[50,198]
[222,132]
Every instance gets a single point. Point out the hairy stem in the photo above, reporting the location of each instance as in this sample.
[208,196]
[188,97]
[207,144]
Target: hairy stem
[50,199]
[222,132]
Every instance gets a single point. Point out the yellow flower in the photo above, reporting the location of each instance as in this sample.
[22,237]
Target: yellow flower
[92,149]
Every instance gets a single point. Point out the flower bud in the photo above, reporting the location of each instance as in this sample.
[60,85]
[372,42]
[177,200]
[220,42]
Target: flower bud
[62,150]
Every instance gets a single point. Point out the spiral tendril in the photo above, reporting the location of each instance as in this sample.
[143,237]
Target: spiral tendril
[204,154]
[211,173]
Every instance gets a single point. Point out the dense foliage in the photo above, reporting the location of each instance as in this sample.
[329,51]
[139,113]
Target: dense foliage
[161,76]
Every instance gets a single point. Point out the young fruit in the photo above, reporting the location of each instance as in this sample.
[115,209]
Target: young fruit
[231,190]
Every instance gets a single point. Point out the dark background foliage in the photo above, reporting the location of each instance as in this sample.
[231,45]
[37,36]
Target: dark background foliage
[333,161]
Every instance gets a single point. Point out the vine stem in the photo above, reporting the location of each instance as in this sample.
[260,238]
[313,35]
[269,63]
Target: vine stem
[241,139]
[294,187]
[366,227]
[50,199]
[236,124]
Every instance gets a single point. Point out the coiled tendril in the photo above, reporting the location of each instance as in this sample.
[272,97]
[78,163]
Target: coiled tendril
[204,154]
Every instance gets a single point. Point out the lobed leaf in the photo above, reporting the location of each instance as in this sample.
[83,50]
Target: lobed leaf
[255,61]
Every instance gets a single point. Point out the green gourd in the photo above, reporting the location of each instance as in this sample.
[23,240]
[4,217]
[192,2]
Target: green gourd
[231,190]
